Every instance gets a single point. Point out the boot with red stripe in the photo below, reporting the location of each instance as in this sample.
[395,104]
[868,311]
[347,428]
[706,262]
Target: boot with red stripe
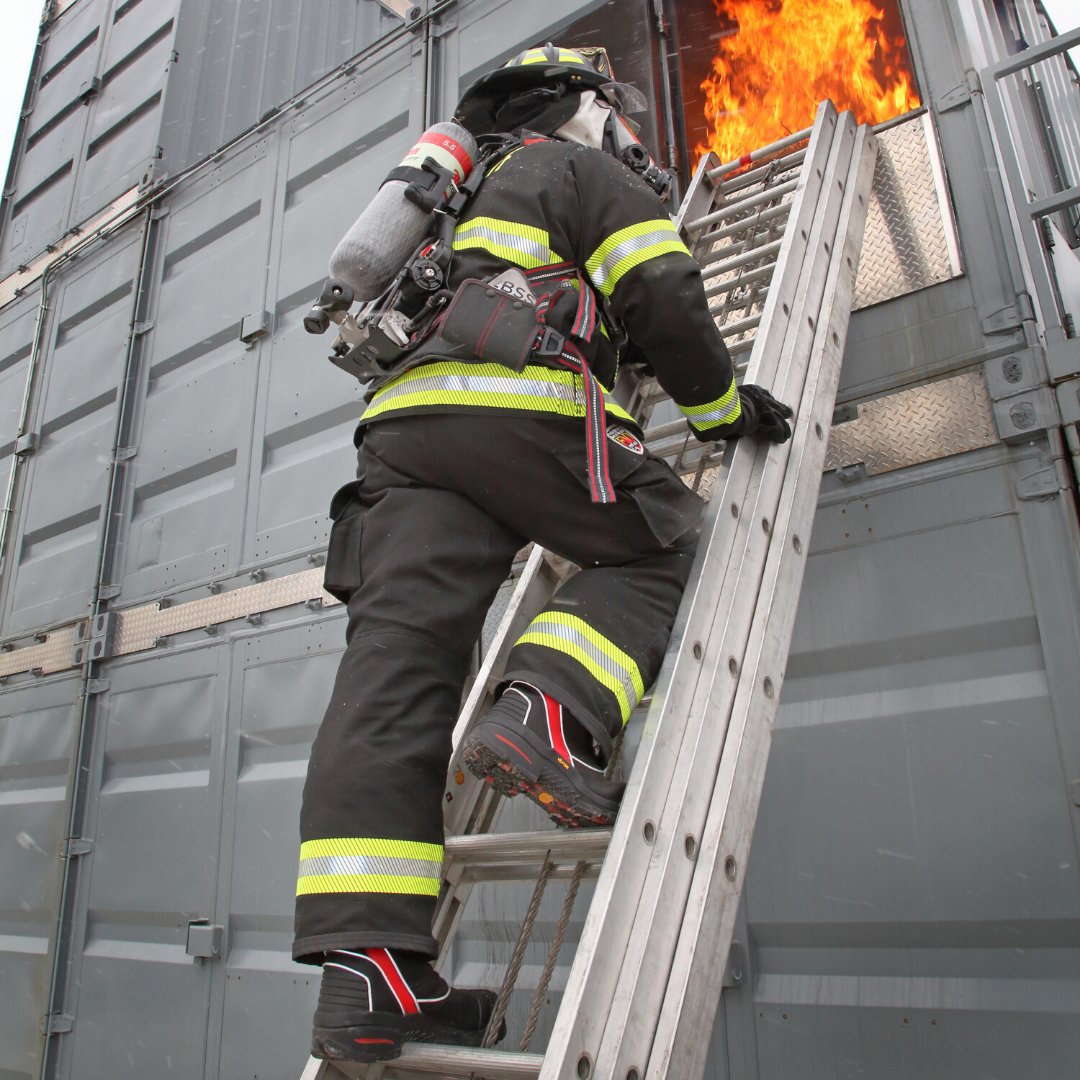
[373,1000]
[528,743]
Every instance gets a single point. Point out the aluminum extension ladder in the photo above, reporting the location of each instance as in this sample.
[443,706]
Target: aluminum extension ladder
[779,245]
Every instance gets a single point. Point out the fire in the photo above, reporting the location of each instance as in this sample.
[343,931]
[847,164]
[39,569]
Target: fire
[781,57]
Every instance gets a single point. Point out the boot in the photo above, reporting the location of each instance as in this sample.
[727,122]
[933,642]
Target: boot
[529,743]
[373,1000]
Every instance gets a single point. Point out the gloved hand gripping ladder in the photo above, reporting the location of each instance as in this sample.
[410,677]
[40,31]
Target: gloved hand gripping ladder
[642,994]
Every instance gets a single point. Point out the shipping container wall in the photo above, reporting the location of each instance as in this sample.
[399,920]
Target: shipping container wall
[911,900]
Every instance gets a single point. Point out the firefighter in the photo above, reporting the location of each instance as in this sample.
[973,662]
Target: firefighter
[463,461]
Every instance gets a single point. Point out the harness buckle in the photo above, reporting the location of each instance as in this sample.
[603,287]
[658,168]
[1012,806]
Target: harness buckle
[551,343]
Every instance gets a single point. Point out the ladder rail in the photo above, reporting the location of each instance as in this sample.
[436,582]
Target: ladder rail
[651,946]
[694,986]
[591,986]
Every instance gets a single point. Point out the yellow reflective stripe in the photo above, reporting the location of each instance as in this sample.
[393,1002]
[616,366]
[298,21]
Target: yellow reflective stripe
[631,247]
[450,382]
[369,864]
[603,659]
[538,56]
[524,245]
[367,883]
[724,410]
[366,845]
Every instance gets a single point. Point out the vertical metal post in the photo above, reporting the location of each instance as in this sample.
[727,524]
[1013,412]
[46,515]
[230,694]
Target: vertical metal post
[69,884]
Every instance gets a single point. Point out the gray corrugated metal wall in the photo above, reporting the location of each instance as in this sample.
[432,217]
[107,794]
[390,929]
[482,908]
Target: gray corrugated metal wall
[916,856]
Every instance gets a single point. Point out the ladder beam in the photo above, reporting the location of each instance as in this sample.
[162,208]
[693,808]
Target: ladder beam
[652,943]
[579,1027]
[695,983]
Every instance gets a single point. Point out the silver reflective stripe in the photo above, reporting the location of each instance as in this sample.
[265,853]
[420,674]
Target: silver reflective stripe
[482,384]
[716,416]
[370,864]
[540,625]
[537,253]
[660,235]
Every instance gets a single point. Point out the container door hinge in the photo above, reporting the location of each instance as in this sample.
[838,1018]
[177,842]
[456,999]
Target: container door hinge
[144,327]
[953,98]
[204,939]
[71,849]
[125,453]
[97,686]
[107,592]
[57,1024]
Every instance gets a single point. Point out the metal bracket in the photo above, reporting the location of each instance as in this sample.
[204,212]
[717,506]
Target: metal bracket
[952,99]
[845,414]
[97,686]
[1024,415]
[1041,484]
[1068,399]
[57,1024]
[204,939]
[733,970]
[26,444]
[107,592]
[125,453]
[1063,358]
[1015,372]
[406,11]
[103,635]
[71,849]
[255,326]
[143,327]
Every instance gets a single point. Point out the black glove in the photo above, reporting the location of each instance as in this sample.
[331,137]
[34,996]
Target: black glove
[762,415]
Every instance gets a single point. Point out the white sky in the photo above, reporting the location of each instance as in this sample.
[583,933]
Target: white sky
[18,32]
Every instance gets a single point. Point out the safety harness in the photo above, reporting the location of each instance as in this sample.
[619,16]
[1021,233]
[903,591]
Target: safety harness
[485,322]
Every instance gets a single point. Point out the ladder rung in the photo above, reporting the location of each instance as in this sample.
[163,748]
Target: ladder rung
[493,849]
[753,255]
[420,1059]
[741,207]
[746,224]
[475,875]
[740,281]
[740,326]
[754,175]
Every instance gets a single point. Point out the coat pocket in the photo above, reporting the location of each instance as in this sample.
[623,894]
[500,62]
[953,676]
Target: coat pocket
[342,575]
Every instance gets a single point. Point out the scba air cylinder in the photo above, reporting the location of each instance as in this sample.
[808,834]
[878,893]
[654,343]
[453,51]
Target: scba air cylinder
[391,228]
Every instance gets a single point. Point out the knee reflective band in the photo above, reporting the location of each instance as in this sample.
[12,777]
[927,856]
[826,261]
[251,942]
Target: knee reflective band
[524,245]
[630,247]
[367,865]
[536,389]
[724,410]
[603,660]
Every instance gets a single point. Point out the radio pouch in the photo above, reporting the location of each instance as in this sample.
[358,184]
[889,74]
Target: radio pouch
[490,323]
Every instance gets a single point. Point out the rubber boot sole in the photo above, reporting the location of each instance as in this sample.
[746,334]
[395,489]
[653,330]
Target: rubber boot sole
[381,1037]
[514,761]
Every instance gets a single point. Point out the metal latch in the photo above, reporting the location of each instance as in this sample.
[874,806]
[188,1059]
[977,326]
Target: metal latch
[204,939]
[255,326]
[57,1024]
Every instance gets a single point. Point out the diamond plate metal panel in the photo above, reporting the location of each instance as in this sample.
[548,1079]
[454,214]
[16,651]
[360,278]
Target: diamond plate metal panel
[922,424]
[909,241]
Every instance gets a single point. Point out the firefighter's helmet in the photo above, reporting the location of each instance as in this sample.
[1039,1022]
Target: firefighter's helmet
[540,88]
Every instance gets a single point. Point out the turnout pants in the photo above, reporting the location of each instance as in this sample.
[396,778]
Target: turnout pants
[421,543]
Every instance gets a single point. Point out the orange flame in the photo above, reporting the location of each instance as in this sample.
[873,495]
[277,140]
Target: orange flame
[787,55]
